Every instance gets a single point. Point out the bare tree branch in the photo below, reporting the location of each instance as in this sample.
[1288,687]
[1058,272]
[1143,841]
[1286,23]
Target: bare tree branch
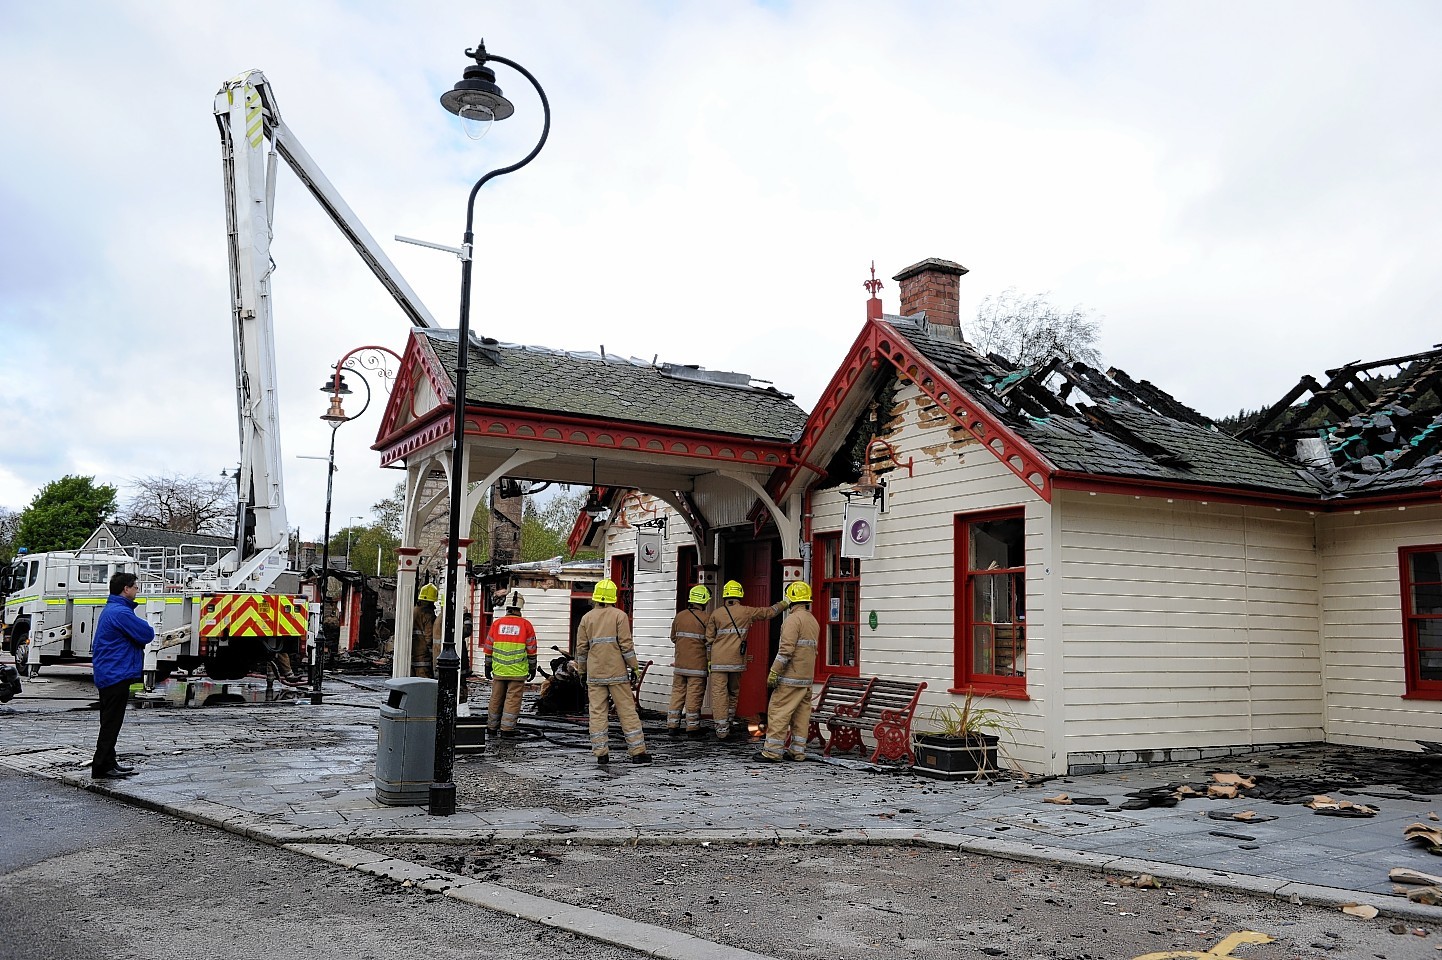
[1028,330]
[182,504]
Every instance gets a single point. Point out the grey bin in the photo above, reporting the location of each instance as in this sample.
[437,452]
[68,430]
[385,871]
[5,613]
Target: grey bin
[406,748]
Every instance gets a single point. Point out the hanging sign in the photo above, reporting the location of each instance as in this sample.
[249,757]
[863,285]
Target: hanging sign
[648,550]
[858,531]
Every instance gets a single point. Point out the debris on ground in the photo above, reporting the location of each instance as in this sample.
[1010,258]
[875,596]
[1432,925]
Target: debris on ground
[1324,804]
[1059,798]
[1143,881]
[1430,838]
[1364,910]
[1245,816]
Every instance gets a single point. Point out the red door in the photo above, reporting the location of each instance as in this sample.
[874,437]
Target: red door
[755,577]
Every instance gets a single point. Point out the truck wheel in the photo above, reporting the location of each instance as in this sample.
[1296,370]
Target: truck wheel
[237,659]
[20,640]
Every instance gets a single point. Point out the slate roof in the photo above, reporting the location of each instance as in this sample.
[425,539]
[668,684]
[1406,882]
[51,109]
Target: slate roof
[1129,430]
[509,375]
[130,535]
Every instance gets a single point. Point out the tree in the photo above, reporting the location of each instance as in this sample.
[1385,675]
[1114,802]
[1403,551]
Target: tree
[390,510]
[1028,330]
[366,544]
[64,513]
[544,529]
[9,524]
[182,504]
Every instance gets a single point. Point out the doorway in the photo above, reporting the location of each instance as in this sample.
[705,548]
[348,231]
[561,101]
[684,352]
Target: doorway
[752,564]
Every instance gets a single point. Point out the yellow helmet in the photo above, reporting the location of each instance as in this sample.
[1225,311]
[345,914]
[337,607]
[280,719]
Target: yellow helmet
[798,591]
[732,589]
[699,594]
[429,592]
[605,592]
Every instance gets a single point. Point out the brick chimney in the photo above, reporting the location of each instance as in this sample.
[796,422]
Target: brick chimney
[932,286]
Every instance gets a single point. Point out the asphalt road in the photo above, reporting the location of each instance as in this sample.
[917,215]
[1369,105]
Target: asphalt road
[870,902]
[84,876]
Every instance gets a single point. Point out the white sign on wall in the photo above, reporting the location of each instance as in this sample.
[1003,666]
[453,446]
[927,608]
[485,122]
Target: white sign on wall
[648,550]
[858,531]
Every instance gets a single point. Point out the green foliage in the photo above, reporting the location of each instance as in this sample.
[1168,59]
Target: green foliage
[64,513]
[390,511]
[364,545]
[966,719]
[544,529]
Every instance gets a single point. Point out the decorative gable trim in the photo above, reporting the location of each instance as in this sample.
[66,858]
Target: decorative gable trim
[880,341]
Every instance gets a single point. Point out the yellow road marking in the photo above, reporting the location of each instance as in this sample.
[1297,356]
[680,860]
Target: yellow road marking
[1222,949]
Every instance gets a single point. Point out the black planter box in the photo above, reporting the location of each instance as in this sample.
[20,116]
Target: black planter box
[953,758]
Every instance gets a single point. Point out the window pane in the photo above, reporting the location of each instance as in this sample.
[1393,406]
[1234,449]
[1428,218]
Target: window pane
[1427,598]
[1429,649]
[1426,567]
[997,543]
[981,652]
[848,646]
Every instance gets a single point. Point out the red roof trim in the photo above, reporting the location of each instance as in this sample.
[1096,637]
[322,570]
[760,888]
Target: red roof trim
[599,434]
[879,340]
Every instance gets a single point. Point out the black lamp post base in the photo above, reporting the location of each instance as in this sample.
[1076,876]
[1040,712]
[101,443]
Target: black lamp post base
[443,799]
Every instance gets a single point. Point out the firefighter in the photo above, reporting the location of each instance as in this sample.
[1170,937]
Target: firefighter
[423,617]
[607,661]
[789,715]
[688,681]
[726,650]
[510,650]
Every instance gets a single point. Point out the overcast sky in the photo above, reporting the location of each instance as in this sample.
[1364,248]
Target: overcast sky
[1245,192]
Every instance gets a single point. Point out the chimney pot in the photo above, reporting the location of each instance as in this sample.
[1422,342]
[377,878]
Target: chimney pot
[932,287]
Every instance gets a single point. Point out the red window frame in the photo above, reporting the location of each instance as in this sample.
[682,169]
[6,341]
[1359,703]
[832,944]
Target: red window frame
[623,574]
[839,577]
[1006,587]
[1422,685]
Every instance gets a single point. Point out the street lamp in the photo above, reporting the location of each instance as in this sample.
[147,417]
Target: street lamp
[475,96]
[336,386]
[349,533]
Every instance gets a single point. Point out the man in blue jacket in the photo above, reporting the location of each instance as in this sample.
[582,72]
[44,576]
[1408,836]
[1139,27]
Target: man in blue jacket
[117,655]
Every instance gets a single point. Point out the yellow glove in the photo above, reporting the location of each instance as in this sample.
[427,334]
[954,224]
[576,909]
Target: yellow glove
[772,680]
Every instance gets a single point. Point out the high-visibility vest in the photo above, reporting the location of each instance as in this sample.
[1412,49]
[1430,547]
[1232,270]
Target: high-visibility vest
[510,643]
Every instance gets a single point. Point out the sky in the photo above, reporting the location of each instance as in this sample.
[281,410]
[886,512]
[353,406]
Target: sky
[1243,193]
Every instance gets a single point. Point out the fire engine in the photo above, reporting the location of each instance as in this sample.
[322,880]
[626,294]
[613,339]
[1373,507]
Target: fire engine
[212,605]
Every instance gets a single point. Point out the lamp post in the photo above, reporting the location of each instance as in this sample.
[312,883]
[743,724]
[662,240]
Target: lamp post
[474,96]
[335,385]
[349,535]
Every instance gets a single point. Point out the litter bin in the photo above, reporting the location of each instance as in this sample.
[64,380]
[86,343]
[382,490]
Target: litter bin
[406,748]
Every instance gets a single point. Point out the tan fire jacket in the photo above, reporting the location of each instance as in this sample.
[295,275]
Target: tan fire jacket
[688,633]
[726,634]
[604,651]
[795,662]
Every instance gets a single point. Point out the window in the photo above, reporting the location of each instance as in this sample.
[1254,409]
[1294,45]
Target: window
[991,603]
[838,607]
[1422,620]
[688,568]
[92,573]
[623,572]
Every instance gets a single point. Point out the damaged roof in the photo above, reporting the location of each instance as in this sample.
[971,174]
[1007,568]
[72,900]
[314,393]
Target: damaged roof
[1105,424]
[1371,428]
[610,387]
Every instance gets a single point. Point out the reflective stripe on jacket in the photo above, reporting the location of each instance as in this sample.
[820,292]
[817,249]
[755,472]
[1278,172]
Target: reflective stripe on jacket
[511,645]
[604,651]
[688,633]
[795,662]
[726,634]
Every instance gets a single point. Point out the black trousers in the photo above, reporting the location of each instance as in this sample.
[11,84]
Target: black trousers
[112,714]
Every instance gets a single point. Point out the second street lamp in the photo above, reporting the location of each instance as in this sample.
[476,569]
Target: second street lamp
[475,96]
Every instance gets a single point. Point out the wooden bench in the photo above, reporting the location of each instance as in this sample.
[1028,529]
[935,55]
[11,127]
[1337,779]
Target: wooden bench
[884,710]
[837,690]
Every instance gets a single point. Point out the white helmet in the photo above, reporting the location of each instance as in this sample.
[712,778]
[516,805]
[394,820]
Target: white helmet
[514,600]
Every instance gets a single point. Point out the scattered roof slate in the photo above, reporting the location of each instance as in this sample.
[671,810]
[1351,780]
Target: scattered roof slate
[1130,429]
[615,388]
[1373,427]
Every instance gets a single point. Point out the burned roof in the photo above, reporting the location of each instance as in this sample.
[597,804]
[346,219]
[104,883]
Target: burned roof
[1373,427]
[1128,430]
[611,387]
